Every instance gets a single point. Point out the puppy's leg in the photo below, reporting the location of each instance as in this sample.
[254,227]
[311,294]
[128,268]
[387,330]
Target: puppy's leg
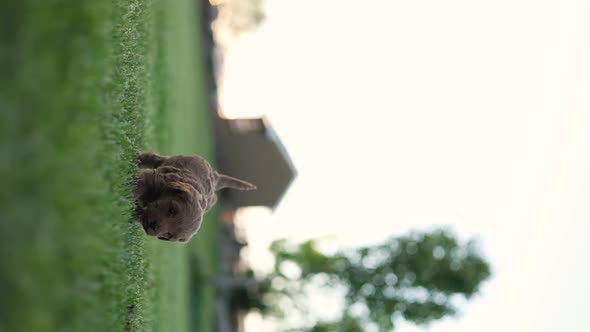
[150,160]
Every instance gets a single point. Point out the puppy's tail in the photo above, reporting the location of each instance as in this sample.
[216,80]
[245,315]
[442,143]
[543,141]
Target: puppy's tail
[226,181]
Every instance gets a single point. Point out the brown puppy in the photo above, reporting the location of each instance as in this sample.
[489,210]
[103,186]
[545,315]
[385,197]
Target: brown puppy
[173,193]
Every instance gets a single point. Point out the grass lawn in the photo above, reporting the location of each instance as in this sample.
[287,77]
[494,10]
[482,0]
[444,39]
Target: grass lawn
[83,86]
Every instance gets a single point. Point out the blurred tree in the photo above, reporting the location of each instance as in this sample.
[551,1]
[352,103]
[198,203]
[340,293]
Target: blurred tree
[418,277]
[246,293]
[346,324]
[240,15]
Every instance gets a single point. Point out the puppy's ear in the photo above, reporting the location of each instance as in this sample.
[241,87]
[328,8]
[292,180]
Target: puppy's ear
[148,185]
[180,188]
[226,181]
[149,160]
[193,229]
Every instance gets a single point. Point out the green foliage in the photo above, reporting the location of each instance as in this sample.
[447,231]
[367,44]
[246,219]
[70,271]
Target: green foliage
[309,260]
[417,276]
[242,15]
[346,324]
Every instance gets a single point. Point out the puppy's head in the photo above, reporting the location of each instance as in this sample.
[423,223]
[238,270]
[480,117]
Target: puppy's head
[172,209]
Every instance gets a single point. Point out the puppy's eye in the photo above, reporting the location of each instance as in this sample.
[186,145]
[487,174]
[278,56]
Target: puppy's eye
[171,211]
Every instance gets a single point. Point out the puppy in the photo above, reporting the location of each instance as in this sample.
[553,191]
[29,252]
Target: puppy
[172,193]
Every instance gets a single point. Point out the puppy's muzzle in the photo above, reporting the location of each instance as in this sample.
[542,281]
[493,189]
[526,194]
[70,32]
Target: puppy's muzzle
[165,237]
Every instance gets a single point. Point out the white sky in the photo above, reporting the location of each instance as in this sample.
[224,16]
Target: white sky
[407,114]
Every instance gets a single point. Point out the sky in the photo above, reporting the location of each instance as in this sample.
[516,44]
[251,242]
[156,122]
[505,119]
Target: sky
[402,115]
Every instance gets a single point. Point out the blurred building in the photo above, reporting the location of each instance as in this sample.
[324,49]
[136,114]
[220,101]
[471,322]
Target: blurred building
[250,149]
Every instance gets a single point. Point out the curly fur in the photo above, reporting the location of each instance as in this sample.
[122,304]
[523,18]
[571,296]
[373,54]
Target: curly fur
[172,194]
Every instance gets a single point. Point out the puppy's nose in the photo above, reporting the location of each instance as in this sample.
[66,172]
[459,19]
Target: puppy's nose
[153,225]
[165,237]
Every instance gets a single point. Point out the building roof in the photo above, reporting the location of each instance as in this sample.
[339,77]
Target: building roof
[250,149]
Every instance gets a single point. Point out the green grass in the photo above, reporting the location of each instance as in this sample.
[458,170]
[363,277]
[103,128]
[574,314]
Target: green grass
[83,86]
